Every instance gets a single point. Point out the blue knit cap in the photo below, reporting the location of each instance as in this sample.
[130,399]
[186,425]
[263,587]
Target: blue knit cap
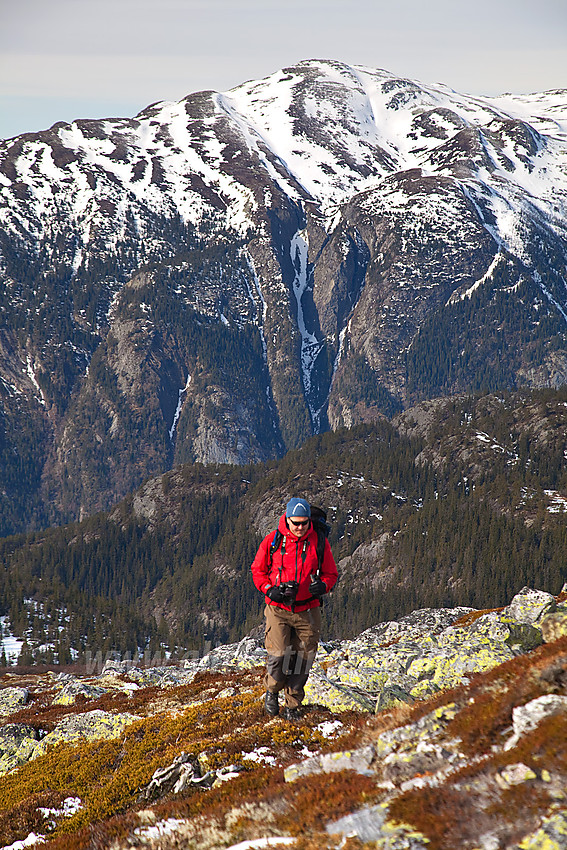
[297,507]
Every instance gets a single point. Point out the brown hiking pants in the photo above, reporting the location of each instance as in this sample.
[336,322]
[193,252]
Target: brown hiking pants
[291,644]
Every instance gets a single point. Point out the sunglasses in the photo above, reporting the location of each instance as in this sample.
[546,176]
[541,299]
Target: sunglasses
[301,522]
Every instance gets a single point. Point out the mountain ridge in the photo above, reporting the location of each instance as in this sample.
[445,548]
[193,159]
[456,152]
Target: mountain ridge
[356,241]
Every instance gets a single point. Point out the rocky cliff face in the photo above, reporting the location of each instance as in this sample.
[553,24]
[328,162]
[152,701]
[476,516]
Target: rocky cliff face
[445,729]
[218,279]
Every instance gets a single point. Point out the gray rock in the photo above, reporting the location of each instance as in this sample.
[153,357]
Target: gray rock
[90,726]
[551,835]
[418,624]
[321,690]
[17,742]
[164,676]
[391,696]
[530,606]
[554,626]
[75,688]
[498,627]
[526,717]
[247,653]
[358,760]
[366,825]
[148,675]
[424,653]
[12,699]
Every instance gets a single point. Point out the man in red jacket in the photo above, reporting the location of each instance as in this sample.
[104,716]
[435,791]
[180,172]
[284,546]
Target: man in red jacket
[289,577]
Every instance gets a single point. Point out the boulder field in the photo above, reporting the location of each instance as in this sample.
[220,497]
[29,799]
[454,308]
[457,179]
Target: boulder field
[446,729]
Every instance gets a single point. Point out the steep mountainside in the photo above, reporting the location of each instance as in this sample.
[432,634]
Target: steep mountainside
[456,502]
[220,278]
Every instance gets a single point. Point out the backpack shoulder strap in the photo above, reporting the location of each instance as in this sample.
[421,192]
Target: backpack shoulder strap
[321,537]
[319,522]
[275,545]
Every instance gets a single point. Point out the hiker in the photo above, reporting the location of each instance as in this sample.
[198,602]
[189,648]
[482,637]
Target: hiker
[294,567]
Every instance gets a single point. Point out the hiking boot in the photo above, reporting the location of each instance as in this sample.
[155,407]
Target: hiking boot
[271,703]
[291,713]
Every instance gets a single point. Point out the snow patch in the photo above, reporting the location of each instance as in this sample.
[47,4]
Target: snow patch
[310,345]
[31,841]
[261,755]
[31,375]
[177,413]
[486,276]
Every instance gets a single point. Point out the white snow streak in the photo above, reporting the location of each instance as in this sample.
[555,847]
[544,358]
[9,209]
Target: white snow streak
[177,414]
[310,345]
[31,375]
[486,276]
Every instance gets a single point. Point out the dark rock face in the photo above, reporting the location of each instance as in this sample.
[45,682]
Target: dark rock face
[218,279]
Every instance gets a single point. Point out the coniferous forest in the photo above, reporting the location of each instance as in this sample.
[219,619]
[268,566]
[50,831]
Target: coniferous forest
[462,501]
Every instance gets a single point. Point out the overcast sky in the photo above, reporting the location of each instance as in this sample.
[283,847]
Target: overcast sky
[67,59]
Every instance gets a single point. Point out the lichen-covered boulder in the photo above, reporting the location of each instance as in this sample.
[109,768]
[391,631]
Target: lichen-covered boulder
[400,836]
[71,690]
[320,690]
[17,742]
[414,735]
[144,674]
[90,726]
[163,677]
[366,824]
[12,699]
[358,760]
[425,652]
[526,717]
[499,628]
[530,606]
[554,626]
[551,835]
[243,655]
[376,669]
[514,774]
[370,826]
[412,627]
[449,666]
[391,696]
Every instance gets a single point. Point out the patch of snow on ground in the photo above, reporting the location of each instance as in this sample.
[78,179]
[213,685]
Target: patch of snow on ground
[12,646]
[31,841]
[330,728]
[70,807]
[260,756]
[558,503]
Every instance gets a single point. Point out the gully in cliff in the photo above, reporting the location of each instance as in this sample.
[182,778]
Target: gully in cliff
[294,567]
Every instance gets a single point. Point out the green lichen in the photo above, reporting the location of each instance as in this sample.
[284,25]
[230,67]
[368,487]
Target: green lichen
[552,835]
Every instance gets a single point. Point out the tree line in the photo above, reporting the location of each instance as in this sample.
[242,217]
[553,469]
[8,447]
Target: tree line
[180,580]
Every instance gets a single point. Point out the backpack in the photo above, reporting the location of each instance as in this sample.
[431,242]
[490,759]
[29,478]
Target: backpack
[321,526]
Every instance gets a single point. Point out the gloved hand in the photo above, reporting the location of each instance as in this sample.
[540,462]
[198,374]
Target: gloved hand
[275,593]
[317,587]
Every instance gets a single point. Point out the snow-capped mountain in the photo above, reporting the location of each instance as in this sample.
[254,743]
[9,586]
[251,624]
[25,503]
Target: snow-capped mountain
[219,278]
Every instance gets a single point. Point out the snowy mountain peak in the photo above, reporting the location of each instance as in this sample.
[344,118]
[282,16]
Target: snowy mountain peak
[321,130]
[317,248]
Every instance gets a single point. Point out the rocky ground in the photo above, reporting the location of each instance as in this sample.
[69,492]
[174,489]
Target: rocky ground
[446,729]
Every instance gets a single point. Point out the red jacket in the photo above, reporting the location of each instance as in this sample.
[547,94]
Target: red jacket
[294,560]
